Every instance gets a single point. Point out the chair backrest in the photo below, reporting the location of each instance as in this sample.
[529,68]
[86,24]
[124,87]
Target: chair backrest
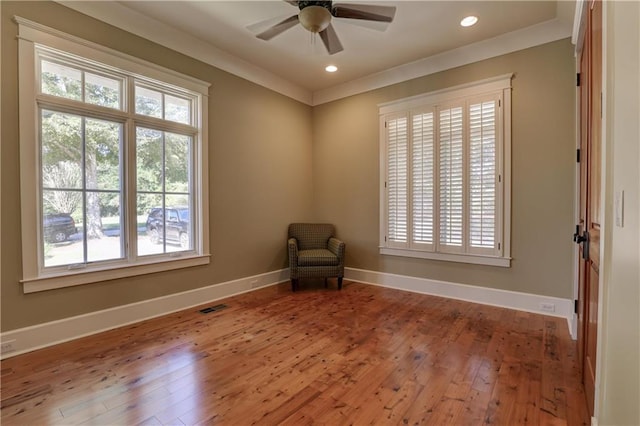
[311,235]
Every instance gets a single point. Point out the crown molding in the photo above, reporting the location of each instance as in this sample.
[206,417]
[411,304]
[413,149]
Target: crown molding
[534,35]
[150,29]
[141,25]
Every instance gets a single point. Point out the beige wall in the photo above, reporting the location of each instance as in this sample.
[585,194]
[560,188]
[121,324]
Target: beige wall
[261,163]
[259,166]
[619,335]
[346,173]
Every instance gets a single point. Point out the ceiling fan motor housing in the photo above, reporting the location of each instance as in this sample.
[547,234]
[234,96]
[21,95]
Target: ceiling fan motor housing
[315,16]
[304,3]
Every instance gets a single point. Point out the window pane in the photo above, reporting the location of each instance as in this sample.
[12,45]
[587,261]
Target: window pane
[104,220]
[482,174]
[61,156]
[61,80]
[178,223]
[164,176]
[149,164]
[103,91]
[177,162]
[62,242]
[150,224]
[451,176]
[81,178]
[177,109]
[102,154]
[422,152]
[148,102]
[397,179]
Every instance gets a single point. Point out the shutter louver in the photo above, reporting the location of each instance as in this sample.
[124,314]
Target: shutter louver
[482,174]
[451,174]
[422,177]
[397,180]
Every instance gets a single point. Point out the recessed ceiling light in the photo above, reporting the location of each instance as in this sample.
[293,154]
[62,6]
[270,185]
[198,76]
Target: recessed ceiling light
[331,68]
[469,21]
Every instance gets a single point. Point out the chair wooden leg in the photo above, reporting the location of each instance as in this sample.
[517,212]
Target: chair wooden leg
[326,283]
[294,284]
[339,283]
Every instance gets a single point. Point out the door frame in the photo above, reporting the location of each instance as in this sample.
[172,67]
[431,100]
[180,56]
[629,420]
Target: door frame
[577,38]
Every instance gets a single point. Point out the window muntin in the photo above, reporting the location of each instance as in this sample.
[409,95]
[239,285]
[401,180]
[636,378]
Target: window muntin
[443,178]
[79,73]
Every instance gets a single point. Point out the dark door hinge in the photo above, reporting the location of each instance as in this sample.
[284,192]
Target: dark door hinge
[578,155]
[575,306]
[578,79]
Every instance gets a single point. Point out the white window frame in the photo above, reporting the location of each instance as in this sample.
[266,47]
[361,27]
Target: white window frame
[33,38]
[499,86]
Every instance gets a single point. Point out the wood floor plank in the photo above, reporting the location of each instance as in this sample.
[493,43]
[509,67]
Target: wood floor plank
[363,355]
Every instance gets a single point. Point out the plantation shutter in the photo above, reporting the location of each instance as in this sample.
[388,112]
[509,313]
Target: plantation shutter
[482,174]
[422,167]
[397,188]
[451,178]
[445,174]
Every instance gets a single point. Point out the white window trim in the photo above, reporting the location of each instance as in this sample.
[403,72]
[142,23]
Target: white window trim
[31,34]
[499,83]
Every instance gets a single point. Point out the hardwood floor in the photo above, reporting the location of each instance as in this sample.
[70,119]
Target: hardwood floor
[364,355]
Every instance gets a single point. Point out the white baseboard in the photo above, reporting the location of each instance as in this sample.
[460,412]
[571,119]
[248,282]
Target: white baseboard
[487,296]
[42,335]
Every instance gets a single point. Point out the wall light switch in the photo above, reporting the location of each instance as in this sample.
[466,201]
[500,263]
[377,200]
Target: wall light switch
[619,208]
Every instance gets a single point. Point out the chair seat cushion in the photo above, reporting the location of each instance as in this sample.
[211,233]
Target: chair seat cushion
[317,257]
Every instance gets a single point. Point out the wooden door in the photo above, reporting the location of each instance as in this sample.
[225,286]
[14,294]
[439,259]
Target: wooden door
[588,230]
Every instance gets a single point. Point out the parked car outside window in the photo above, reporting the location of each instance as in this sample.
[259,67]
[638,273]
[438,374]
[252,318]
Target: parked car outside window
[177,226]
[58,227]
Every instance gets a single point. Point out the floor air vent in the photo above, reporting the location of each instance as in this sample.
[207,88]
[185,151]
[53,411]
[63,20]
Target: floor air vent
[212,309]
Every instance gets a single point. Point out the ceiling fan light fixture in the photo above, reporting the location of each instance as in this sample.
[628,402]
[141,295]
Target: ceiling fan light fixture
[469,21]
[315,18]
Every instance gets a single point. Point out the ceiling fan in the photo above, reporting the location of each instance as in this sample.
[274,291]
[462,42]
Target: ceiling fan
[315,16]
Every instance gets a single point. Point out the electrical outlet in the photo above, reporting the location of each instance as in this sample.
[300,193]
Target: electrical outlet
[548,307]
[8,346]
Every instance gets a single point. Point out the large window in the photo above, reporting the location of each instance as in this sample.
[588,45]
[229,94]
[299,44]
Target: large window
[445,177]
[113,159]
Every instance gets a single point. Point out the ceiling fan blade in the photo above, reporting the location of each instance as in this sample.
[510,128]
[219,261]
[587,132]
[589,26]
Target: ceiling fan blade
[276,29]
[292,2]
[331,40]
[364,11]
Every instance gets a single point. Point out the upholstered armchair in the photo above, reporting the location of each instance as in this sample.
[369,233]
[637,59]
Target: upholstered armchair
[314,252]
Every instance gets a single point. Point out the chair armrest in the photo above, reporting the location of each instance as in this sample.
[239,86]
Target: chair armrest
[292,245]
[337,247]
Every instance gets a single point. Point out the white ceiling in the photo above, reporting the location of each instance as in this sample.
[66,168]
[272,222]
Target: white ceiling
[293,62]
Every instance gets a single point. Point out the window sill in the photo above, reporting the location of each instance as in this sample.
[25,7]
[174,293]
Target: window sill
[73,278]
[503,262]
